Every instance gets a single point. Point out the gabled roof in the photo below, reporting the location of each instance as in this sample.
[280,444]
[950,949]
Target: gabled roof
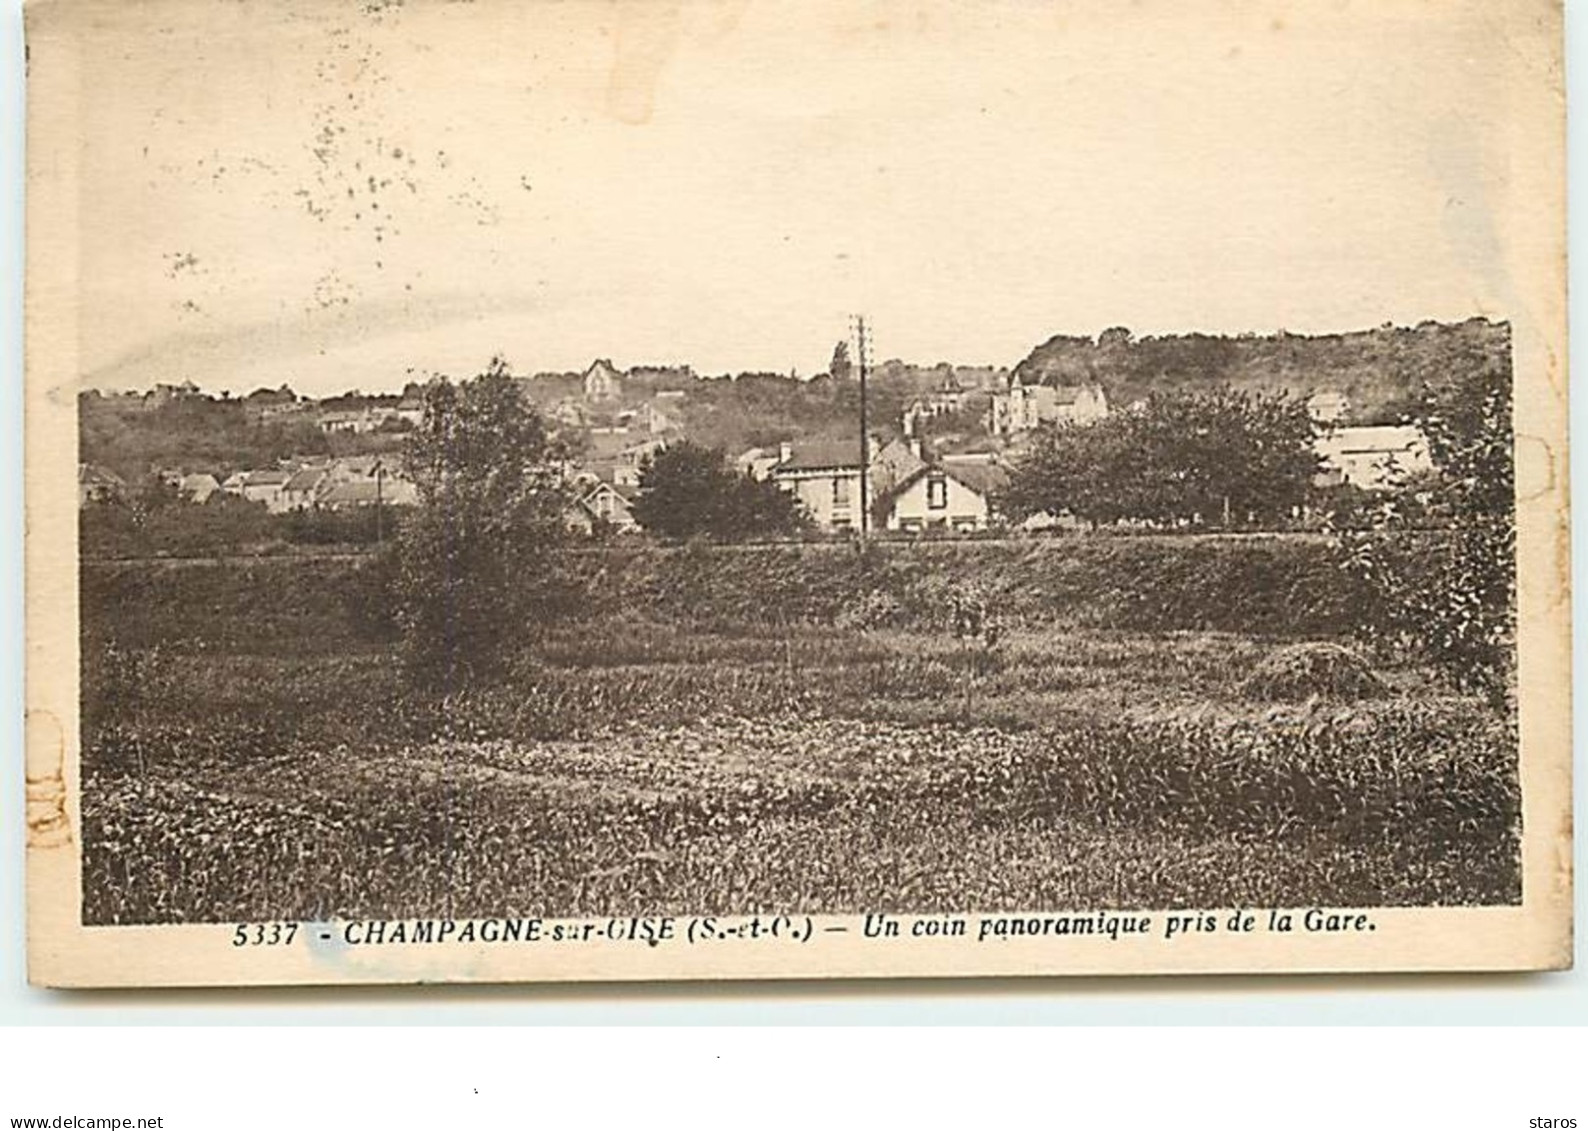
[1068,394]
[307,479]
[266,478]
[894,463]
[92,475]
[1362,438]
[986,479]
[819,456]
[601,487]
[359,465]
[357,491]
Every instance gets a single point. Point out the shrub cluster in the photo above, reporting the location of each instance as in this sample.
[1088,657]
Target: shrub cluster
[1270,586]
[225,526]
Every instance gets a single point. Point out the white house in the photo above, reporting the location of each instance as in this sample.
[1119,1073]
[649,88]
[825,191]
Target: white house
[1372,457]
[603,384]
[825,478]
[949,397]
[757,463]
[383,490]
[410,410]
[198,487]
[1328,406]
[97,484]
[360,421]
[304,489]
[958,495]
[1024,407]
[602,501]
[268,487]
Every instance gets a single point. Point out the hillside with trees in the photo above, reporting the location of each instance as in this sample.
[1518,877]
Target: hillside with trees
[130,435]
[1384,372]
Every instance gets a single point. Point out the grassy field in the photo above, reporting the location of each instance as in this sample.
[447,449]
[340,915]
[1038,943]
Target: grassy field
[250,754]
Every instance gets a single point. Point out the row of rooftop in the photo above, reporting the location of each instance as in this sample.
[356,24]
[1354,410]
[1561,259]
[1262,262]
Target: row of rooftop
[302,483]
[911,483]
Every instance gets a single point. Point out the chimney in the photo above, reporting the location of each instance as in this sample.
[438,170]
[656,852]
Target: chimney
[785,452]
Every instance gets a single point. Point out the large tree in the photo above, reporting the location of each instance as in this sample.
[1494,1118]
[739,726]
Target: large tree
[840,366]
[687,491]
[1223,458]
[473,575]
[1439,551]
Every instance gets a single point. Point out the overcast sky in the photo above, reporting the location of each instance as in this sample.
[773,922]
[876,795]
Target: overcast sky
[334,194]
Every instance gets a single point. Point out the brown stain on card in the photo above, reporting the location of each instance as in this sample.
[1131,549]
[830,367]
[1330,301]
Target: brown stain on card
[48,825]
[646,40]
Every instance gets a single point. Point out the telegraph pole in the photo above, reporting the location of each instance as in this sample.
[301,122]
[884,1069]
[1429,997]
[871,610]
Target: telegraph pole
[865,437]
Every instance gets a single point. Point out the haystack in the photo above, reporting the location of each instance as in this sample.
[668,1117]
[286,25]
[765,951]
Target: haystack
[1317,670]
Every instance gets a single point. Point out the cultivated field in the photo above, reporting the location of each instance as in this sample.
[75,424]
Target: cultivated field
[250,752]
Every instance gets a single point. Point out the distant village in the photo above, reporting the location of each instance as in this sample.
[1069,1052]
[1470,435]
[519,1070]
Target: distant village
[941,464]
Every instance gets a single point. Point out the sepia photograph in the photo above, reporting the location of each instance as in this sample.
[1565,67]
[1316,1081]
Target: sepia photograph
[575,490]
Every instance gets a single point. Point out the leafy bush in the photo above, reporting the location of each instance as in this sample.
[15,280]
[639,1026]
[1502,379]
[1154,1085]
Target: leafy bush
[473,571]
[1217,458]
[689,491]
[871,609]
[1439,555]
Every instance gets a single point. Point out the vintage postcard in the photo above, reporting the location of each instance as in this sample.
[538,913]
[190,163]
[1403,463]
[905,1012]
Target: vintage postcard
[534,491]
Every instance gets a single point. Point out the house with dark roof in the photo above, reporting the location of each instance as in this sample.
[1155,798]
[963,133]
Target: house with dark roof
[411,410]
[598,503]
[304,488]
[268,487]
[950,494]
[825,476]
[603,384]
[383,490]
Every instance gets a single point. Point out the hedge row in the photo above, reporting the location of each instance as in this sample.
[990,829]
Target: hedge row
[1279,586]
[1269,586]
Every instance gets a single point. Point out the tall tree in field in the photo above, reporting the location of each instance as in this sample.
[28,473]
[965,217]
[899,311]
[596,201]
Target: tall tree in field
[840,366]
[688,491]
[473,573]
[1222,458]
[1440,551]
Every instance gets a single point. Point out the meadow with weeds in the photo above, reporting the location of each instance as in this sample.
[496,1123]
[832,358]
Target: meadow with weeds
[251,750]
